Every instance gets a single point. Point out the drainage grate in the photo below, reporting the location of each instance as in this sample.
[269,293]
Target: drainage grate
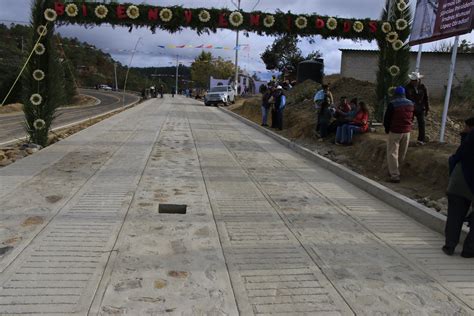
[172,208]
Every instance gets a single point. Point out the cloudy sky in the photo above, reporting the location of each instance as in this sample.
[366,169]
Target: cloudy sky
[148,54]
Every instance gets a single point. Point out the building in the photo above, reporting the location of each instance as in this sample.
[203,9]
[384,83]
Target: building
[363,64]
[246,83]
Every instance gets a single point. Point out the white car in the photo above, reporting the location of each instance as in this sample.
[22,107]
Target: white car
[105,87]
[220,95]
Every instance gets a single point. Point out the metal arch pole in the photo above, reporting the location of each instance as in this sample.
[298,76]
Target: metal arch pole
[418,58]
[448,90]
[177,72]
[236,84]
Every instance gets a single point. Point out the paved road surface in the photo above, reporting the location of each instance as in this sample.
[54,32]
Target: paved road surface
[267,232]
[11,125]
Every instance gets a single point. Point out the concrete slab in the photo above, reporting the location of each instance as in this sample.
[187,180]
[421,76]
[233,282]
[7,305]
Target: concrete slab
[266,231]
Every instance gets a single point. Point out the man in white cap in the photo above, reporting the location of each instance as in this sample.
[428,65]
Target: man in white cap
[418,94]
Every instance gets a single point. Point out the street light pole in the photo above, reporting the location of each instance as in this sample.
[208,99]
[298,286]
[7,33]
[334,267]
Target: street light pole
[177,72]
[115,72]
[237,56]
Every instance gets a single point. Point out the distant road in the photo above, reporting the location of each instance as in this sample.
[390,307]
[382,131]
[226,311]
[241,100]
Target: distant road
[11,125]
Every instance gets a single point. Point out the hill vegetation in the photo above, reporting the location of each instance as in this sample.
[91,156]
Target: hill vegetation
[82,65]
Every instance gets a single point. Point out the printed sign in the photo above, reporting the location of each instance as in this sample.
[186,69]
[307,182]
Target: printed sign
[438,19]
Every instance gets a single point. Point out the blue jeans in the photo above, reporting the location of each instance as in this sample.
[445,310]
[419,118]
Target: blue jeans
[265,115]
[345,133]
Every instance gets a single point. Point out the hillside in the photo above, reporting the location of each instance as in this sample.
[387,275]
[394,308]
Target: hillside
[88,65]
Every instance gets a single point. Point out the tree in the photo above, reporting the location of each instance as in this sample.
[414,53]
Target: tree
[393,65]
[205,66]
[464,47]
[284,55]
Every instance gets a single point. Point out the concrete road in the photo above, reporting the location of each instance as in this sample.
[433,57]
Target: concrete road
[265,232]
[11,125]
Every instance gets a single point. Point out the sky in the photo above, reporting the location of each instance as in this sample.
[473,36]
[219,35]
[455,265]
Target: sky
[148,54]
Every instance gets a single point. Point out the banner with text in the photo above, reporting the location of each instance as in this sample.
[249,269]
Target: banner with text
[438,19]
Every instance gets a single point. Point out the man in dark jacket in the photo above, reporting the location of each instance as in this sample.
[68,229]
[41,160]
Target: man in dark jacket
[418,94]
[398,123]
[279,106]
[461,193]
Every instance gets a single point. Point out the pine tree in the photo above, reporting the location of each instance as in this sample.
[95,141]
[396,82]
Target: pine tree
[394,64]
[42,97]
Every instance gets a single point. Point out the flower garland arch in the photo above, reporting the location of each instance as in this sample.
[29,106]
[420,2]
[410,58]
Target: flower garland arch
[207,20]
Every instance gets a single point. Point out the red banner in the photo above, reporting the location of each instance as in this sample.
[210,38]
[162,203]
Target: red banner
[438,19]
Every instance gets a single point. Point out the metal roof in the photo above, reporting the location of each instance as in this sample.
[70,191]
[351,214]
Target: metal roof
[413,52]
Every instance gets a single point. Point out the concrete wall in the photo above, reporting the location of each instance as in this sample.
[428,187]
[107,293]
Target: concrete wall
[362,65]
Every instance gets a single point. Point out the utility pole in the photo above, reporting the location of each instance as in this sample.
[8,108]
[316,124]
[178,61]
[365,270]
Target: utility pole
[115,71]
[128,70]
[237,55]
[177,72]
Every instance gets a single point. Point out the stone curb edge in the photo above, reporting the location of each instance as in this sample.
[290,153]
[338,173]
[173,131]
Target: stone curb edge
[413,209]
[77,123]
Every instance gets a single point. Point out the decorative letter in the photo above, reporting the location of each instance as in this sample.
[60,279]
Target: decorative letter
[153,14]
[320,23]
[222,20]
[347,26]
[290,22]
[255,20]
[84,10]
[59,8]
[188,16]
[121,12]
[373,26]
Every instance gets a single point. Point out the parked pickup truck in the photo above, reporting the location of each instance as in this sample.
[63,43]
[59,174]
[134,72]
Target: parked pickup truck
[220,95]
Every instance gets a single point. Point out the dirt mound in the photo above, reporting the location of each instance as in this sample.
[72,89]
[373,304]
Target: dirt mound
[352,88]
[11,108]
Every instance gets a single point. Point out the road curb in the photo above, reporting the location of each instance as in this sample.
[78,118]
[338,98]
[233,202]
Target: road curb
[413,209]
[10,142]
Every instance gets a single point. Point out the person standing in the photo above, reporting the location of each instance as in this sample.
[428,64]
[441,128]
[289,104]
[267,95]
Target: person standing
[265,104]
[461,193]
[280,104]
[161,90]
[418,94]
[398,123]
[324,119]
[323,95]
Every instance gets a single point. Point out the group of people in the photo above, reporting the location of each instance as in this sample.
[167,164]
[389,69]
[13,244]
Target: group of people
[344,119]
[274,100]
[410,102]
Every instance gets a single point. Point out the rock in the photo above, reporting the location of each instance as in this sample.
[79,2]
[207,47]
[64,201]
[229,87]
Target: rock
[5,162]
[11,154]
[178,274]
[112,310]
[147,299]
[31,151]
[3,155]
[53,198]
[34,220]
[128,284]
[35,146]
[160,284]
[4,250]
[12,240]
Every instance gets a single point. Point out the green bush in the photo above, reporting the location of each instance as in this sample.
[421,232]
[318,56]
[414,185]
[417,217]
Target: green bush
[464,93]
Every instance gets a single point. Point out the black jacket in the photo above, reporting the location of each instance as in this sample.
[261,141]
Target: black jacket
[465,156]
[419,96]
